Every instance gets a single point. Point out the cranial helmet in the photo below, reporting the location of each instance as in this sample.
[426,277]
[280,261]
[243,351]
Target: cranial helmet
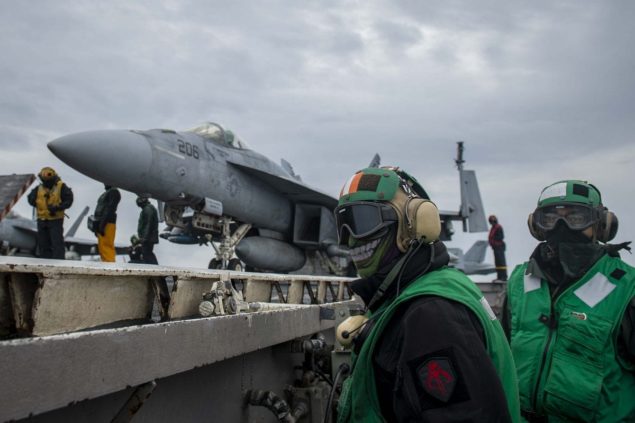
[373,198]
[47,173]
[142,200]
[582,196]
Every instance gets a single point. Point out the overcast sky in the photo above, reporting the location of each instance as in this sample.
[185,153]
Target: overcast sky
[539,91]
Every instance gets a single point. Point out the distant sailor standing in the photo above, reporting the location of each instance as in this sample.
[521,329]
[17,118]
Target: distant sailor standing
[50,199]
[148,230]
[105,222]
[496,240]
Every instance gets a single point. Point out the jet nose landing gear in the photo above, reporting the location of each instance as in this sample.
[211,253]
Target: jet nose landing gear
[232,264]
[227,246]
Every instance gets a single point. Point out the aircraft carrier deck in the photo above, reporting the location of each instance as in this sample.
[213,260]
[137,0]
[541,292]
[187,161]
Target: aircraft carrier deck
[89,341]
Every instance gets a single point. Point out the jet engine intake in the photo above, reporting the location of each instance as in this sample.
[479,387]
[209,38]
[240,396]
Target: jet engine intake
[314,226]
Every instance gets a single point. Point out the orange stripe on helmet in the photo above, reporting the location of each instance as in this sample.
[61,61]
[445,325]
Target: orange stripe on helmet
[355,183]
[351,185]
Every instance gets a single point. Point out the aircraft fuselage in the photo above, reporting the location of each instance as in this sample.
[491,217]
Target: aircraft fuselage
[175,167]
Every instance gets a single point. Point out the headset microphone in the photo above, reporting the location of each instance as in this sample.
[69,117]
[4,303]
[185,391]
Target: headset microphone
[346,334]
[354,330]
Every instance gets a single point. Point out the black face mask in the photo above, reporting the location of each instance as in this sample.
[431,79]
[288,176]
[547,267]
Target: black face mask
[562,234]
[570,250]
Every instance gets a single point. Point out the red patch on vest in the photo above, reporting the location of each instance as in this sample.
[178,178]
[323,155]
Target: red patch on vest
[437,378]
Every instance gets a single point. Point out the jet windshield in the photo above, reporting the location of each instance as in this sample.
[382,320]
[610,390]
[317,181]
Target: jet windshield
[215,132]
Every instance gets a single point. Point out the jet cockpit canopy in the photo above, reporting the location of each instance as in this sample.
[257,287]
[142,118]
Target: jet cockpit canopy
[215,132]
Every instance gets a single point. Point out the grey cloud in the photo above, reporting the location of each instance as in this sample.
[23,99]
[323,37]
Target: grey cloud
[529,86]
[399,34]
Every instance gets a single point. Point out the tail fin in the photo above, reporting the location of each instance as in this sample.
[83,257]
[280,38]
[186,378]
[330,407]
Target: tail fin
[471,203]
[457,252]
[476,253]
[376,161]
[78,221]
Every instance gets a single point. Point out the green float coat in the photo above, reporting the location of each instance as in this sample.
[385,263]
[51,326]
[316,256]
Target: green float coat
[568,369]
[359,402]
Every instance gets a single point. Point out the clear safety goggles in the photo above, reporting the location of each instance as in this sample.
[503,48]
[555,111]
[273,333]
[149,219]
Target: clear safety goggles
[362,219]
[576,216]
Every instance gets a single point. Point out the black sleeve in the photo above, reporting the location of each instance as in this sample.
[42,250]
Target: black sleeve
[431,365]
[626,340]
[33,196]
[66,196]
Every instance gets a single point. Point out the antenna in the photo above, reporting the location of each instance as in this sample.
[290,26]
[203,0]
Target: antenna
[459,155]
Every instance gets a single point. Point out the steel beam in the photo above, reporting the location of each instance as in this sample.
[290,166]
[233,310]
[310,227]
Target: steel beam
[46,373]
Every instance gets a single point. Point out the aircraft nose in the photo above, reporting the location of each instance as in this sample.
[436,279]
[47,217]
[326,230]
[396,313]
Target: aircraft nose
[115,157]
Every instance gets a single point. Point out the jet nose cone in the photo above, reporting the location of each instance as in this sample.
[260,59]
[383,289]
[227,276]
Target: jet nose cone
[115,157]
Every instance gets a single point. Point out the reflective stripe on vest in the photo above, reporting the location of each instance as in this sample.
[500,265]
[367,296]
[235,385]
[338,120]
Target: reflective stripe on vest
[49,197]
[595,290]
[565,352]
[531,283]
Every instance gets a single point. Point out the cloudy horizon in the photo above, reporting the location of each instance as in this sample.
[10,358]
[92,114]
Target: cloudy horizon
[539,91]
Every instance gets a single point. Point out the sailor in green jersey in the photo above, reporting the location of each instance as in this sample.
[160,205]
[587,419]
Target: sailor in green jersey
[432,349]
[570,313]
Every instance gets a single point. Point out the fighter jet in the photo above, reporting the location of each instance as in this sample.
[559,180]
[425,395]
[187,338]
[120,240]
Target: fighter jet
[215,189]
[472,262]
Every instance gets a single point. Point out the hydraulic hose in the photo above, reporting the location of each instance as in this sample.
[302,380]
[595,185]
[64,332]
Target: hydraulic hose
[279,407]
[342,371]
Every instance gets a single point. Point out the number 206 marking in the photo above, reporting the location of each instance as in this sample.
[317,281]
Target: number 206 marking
[188,149]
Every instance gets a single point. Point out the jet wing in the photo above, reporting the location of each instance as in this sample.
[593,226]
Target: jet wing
[294,190]
[23,225]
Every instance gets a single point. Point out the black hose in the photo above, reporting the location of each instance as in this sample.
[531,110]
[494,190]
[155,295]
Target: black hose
[271,401]
[343,370]
[324,377]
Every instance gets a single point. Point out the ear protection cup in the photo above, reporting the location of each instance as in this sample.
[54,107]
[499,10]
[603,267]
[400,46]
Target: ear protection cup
[423,220]
[607,226]
[418,219]
[533,230]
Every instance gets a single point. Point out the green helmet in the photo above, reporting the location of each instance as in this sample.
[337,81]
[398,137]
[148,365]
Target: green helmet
[374,198]
[570,191]
[379,184]
[382,211]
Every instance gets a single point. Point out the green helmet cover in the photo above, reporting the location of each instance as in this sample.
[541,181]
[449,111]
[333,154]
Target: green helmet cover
[570,191]
[378,184]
